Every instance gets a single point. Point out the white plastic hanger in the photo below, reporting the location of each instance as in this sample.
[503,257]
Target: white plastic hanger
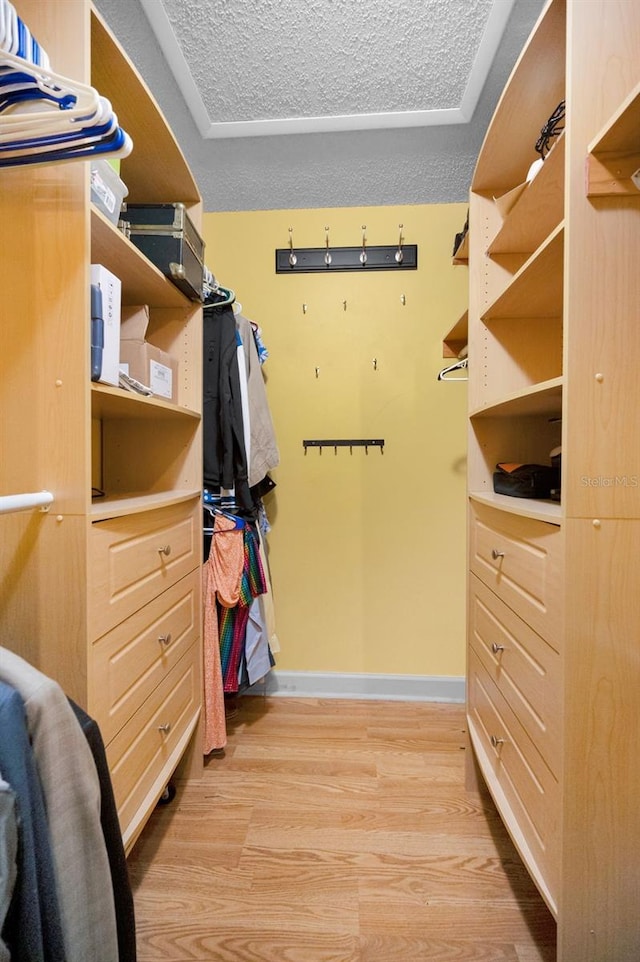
[47,118]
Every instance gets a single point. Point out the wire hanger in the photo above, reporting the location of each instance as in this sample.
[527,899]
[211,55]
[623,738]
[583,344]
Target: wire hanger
[457,366]
[220,296]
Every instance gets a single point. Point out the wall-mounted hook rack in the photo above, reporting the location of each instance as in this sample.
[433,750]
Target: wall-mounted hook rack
[313,260]
[365,443]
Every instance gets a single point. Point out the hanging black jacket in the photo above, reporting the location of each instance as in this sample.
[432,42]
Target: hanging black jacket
[224,457]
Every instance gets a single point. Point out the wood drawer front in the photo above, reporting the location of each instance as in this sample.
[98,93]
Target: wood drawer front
[522,665]
[523,787]
[135,558]
[144,753]
[134,657]
[521,560]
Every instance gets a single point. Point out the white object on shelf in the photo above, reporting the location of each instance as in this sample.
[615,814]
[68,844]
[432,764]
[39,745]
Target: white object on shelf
[111,289]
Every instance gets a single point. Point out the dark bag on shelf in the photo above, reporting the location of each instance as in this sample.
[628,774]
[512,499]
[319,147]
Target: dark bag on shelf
[524,480]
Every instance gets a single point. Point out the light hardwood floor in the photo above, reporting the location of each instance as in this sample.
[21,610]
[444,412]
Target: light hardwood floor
[335,831]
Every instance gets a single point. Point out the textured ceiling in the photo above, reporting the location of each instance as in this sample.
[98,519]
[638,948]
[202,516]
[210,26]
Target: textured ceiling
[373,101]
[327,64]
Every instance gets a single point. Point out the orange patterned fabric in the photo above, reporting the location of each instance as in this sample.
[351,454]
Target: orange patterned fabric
[226,558]
[221,577]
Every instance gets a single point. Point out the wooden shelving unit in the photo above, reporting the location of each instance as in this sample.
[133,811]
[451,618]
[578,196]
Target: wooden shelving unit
[83,578]
[553,299]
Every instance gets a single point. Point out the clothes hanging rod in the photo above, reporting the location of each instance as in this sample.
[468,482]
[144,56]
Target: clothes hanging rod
[10,503]
[313,260]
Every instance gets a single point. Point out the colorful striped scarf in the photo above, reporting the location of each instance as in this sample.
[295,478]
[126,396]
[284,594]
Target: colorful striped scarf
[232,622]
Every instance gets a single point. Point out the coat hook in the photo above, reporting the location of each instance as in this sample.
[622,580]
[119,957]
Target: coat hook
[293,260]
[375,364]
[403,299]
[344,305]
[317,371]
[399,254]
[363,255]
[327,256]
[304,308]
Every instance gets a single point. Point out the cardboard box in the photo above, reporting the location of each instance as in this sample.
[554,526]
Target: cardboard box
[111,288]
[141,360]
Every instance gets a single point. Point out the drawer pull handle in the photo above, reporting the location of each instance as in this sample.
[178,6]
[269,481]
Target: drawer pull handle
[495,554]
[165,550]
[496,742]
[165,639]
[496,648]
[165,729]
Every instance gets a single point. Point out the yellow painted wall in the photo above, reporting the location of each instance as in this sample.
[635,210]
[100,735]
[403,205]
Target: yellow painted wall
[367,551]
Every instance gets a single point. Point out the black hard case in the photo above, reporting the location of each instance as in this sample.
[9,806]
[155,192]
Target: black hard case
[166,235]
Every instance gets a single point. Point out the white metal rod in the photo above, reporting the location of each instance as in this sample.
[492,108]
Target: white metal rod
[25,502]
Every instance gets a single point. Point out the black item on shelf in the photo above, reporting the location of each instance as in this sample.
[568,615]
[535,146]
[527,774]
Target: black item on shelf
[460,236]
[166,235]
[525,480]
[553,128]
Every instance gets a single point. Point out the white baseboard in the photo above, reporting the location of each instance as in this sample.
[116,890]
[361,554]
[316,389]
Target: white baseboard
[316,684]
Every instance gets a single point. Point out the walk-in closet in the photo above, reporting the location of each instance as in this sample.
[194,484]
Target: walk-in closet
[319,481]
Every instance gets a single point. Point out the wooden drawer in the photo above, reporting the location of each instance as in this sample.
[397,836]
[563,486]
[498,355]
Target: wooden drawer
[522,665]
[523,787]
[144,753]
[136,557]
[129,661]
[521,560]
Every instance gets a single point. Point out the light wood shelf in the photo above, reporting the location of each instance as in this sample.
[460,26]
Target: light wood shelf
[131,504]
[456,338]
[535,88]
[538,211]
[113,402]
[537,510]
[537,288]
[545,398]
[142,282]
[167,179]
[614,155]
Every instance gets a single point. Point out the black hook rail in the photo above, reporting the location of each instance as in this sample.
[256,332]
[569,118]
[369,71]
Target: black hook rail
[313,260]
[342,443]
